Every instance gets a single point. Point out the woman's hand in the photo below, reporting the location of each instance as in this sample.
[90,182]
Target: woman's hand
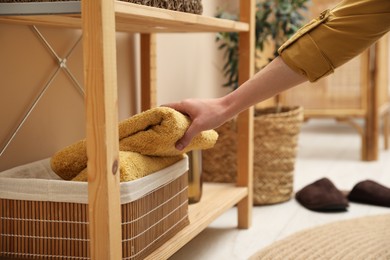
[205,114]
[210,113]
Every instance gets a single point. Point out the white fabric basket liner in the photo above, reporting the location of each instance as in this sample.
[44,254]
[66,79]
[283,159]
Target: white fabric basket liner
[37,182]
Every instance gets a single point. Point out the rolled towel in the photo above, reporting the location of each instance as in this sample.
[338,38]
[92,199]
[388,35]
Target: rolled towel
[70,161]
[133,166]
[153,132]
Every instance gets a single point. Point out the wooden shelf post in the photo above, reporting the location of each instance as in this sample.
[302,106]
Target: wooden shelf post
[148,71]
[100,76]
[245,119]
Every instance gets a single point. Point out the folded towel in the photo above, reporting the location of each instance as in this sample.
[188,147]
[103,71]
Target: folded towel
[133,166]
[153,133]
[70,161]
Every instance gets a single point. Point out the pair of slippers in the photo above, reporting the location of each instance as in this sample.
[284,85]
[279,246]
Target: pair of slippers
[323,196]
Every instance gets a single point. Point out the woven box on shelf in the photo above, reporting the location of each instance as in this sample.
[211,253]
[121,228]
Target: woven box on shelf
[275,148]
[46,218]
[188,6]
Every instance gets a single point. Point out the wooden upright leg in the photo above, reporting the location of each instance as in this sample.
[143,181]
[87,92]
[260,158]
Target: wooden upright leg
[100,77]
[386,129]
[148,71]
[245,119]
[370,152]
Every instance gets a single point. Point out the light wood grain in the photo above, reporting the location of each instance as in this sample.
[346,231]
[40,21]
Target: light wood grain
[138,18]
[67,21]
[102,133]
[162,20]
[320,113]
[148,72]
[370,142]
[245,119]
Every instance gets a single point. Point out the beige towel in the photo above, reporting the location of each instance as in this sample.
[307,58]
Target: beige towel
[153,132]
[133,166]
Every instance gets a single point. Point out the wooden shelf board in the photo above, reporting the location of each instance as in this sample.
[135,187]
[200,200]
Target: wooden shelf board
[337,112]
[216,199]
[139,18]
[161,20]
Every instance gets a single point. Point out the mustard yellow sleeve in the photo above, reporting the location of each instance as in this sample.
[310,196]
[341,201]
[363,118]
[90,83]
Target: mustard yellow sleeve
[336,36]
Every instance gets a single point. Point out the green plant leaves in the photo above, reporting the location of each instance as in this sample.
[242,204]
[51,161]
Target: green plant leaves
[276,20]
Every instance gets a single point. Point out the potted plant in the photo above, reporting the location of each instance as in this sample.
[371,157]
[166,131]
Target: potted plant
[276,128]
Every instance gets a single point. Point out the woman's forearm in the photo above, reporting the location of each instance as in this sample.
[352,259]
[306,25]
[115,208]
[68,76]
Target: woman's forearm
[273,79]
[313,52]
[206,114]
[211,113]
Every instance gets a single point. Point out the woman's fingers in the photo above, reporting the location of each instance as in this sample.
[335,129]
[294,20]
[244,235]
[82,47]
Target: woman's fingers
[187,138]
[204,115]
[179,106]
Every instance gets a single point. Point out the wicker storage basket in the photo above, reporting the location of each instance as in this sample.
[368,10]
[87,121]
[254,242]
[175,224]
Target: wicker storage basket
[48,219]
[188,6]
[275,147]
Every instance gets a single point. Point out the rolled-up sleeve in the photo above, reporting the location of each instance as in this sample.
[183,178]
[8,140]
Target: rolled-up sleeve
[336,36]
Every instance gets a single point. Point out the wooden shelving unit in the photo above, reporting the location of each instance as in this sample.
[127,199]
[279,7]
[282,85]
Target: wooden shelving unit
[100,19]
[140,19]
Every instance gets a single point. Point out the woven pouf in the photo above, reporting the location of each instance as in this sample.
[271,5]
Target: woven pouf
[275,148]
[363,238]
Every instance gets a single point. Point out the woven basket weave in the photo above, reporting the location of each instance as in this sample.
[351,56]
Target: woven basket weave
[188,6]
[42,217]
[275,147]
[219,164]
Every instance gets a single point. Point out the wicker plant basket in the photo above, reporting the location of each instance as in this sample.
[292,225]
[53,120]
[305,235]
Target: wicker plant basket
[275,147]
[188,6]
[45,218]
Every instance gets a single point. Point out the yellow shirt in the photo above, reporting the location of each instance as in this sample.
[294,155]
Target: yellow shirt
[336,36]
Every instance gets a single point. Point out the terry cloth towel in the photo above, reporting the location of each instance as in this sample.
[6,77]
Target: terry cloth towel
[153,133]
[133,166]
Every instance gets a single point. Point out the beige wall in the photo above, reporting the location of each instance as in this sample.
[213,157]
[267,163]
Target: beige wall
[26,66]
[188,65]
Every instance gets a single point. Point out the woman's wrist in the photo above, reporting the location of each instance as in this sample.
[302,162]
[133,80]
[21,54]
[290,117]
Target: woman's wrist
[231,105]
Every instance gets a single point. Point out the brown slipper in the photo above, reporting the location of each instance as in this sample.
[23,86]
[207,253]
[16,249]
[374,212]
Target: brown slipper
[370,192]
[323,196]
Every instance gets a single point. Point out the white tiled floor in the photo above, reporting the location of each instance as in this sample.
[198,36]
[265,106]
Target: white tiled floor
[326,149]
